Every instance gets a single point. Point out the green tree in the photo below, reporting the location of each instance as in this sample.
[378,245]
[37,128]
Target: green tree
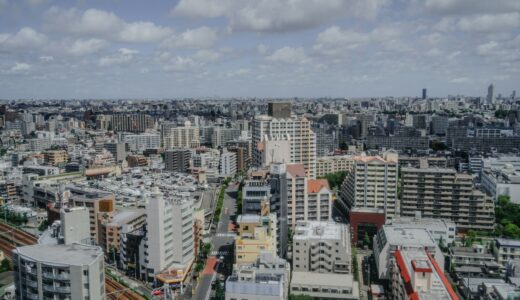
[5,265]
[300,297]
[366,240]
[512,231]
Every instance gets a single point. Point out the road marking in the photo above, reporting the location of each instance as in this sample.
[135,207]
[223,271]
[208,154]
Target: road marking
[226,234]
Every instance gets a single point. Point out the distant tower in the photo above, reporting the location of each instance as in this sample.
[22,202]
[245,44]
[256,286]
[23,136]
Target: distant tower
[491,94]
[513,95]
[424,93]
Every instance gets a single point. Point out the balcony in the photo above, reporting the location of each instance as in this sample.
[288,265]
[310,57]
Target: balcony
[59,276]
[32,296]
[31,283]
[57,289]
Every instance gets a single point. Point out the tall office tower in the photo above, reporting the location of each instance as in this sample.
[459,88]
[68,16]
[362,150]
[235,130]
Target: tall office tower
[177,160]
[118,150]
[136,123]
[491,94]
[372,184]
[278,204]
[59,272]
[444,193]
[424,94]
[297,130]
[169,234]
[181,137]
[322,247]
[279,110]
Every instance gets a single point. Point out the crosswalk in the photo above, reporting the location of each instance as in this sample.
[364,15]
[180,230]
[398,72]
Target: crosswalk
[219,253]
[229,234]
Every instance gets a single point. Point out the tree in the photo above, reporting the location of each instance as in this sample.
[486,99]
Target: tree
[300,297]
[366,239]
[5,265]
[512,231]
[469,238]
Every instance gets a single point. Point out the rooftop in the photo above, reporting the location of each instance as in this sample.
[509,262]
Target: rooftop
[73,254]
[319,230]
[323,279]
[408,236]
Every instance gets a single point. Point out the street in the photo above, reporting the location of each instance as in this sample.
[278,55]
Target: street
[222,246]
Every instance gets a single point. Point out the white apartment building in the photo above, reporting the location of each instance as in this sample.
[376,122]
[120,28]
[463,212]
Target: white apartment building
[72,271]
[372,183]
[441,229]
[324,285]
[141,142]
[181,137]
[503,181]
[332,164]
[169,236]
[297,130]
[322,247]
[228,164]
[506,250]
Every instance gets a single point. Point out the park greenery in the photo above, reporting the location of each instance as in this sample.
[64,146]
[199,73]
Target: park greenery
[239,197]
[507,215]
[335,179]
[13,217]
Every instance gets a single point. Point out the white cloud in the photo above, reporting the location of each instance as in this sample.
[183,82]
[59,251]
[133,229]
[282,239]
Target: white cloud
[25,38]
[181,64]
[460,80]
[489,23]
[103,24]
[123,56]
[84,47]
[46,58]
[288,55]
[207,55]
[20,67]
[202,37]
[278,15]
[336,41]
[461,7]
[488,48]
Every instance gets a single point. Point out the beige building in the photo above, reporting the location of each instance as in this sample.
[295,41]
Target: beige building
[372,183]
[332,164]
[56,157]
[322,247]
[307,199]
[112,227]
[181,137]
[255,234]
[444,193]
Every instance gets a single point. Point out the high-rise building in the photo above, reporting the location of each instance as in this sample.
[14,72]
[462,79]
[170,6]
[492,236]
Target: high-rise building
[278,204]
[54,271]
[297,130]
[490,99]
[221,136]
[181,137]
[142,142]
[424,94]
[169,235]
[228,164]
[136,123]
[372,183]
[444,193]
[177,160]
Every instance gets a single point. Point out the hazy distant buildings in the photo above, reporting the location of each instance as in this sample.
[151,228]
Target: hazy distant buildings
[424,94]
[490,98]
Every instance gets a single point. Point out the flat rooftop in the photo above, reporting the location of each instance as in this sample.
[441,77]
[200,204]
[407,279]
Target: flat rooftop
[74,254]
[408,236]
[319,230]
[323,279]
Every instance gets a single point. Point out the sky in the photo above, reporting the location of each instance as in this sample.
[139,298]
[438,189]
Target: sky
[114,49]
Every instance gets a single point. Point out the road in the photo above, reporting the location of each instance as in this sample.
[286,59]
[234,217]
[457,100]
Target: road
[222,241]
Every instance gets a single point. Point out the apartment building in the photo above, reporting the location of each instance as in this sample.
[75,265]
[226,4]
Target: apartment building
[99,204]
[137,123]
[177,160]
[181,137]
[372,183]
[72,271]
[506,250]
[333,164]
[322,247]
[415,274]
[118,151]
[56,157]
[444,193]
[168,244]
[297,130]
[228,164]
[502,182]
[111,229]
[324,285]
[142,142]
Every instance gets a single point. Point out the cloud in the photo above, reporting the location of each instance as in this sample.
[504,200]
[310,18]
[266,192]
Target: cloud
[490,23]
[84,47]
[202,37]
[123,56]
[278,15]
[336,41]
[460,80]
[46,58]
[181,64]
[463,7]
[20,67]
[288,55]
[25,38]
[103,24]
[488,48]
[207,55]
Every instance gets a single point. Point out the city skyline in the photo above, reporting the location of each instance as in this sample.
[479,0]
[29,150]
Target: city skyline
[305,48]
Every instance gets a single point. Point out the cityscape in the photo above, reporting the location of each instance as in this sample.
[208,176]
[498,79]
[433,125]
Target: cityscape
[260,150]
